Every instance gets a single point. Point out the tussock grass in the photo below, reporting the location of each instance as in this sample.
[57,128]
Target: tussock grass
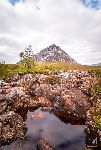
[7,70]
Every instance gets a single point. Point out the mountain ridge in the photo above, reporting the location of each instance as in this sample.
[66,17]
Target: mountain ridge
[51,54]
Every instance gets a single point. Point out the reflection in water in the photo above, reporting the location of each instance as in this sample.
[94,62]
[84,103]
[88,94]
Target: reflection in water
[23,113]
[68,118]
[54,127]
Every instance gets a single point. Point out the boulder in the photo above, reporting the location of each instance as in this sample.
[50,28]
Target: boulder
[73,120]
[2,98]
[47,109]
[43,145]
[3,107]
[39,102]
[13,78]
[11,127]
[3,104]
[39,115]
[63,97]
[75,101]
[25,78]
[79,79]
[17,98]
[51,92]
[4,85]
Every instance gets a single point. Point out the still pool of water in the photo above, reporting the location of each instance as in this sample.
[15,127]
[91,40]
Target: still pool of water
[53,127]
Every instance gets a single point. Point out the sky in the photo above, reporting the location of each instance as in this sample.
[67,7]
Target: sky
[73,25]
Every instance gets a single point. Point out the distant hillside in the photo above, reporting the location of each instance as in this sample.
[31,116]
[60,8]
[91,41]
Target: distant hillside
[53,53]
[99,64]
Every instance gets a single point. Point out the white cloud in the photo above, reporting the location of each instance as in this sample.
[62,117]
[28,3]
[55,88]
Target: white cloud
[68,24]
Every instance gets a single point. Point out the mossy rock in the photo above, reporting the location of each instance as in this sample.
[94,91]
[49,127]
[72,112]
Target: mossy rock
[24,84]
[51,80]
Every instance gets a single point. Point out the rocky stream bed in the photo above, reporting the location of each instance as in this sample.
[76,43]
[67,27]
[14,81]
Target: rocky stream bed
[68,92]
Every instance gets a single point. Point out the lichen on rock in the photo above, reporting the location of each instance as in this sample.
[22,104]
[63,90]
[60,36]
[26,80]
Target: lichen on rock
[11,127]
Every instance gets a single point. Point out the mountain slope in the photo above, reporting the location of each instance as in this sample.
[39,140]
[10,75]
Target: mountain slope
[53,53]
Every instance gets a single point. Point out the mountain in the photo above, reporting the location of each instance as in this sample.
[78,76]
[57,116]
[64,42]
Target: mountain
[51,54]
[99,64]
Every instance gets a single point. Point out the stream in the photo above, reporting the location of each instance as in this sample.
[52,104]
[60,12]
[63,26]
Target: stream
[63,132]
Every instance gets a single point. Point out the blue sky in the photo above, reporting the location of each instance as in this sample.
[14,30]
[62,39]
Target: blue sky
[92,3]
[13,1]
[88,3]
[74,25]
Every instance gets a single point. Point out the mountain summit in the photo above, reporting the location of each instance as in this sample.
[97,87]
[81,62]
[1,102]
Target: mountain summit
[53,53]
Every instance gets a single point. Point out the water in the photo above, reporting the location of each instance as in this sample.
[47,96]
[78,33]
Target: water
[54,127]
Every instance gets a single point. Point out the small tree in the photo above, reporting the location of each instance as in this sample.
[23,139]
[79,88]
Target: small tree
[27,58]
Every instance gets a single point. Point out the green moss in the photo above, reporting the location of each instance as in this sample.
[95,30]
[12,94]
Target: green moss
[6,120]
[51,80]
[97,119]
[98,82]
[7,102]
[98,90]
[96,116]
[23,84]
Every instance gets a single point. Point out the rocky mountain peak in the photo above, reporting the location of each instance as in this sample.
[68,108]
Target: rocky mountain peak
[53,53]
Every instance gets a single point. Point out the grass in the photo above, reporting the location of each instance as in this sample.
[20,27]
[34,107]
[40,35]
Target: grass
[97,119]
[7,70]
[98,83]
